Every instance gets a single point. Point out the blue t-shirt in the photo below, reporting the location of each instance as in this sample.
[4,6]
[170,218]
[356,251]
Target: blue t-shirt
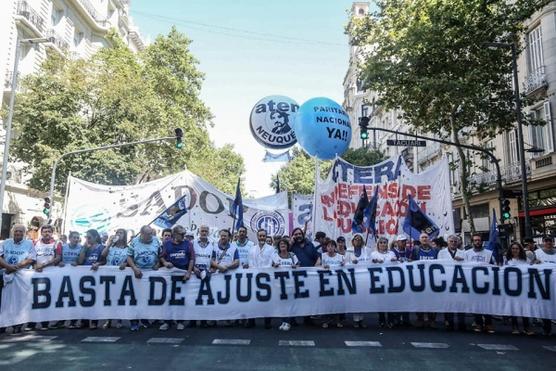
[92,255]
[307,255]
[178,254]
[145,255]
[421,254]
[14,253]
[116,255]
[70,254]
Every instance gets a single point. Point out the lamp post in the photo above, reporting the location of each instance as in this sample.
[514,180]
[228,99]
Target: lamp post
[11,114]
[521,141]
[179,144]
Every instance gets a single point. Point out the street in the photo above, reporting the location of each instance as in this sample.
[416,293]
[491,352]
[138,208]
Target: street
[301,348]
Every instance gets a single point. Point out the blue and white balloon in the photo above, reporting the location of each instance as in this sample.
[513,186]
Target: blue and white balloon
[322,128]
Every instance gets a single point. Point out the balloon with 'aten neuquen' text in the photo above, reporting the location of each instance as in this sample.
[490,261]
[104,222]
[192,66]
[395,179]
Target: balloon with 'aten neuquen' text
[322,128]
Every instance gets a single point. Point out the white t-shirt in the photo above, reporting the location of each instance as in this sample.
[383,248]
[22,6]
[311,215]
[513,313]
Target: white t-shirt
[383,257]
[515,262]
[45,251]
[483,256]
[261,257]
[446,254]
[225,256]
[244,251]
[203,253]
[285,262]
[332,261]
[543,257]
[362,259]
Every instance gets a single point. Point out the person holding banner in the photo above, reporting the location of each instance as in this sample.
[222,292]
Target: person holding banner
[16,253]
[400,249]
[69,252]
[452,253]
[244,247]
[516,256]
[425,252]
[177,253]
[46,249]
[261,257]
[204,249]
[91,254]
[143,253]
[115,254]
[225,256]
[284,258]
[304,249]
[546,255]
[330,259]
[358,254]
[477,254]
[383,256]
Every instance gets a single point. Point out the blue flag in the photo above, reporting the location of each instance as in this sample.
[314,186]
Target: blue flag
[237,208]
[169,217]
[492,244]
[359,214]
[370,213]
[417,222]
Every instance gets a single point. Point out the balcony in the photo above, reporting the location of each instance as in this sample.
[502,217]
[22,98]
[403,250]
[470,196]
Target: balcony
[30,19]
[535,81]
[510,174]
[58,43]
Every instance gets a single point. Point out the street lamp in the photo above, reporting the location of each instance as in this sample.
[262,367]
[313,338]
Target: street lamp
[179,145]
[521,142]
[8,137]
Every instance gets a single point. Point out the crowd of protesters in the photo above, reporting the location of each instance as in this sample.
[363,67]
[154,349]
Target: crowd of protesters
[200,256]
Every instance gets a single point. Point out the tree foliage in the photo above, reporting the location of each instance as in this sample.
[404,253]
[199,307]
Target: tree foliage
[430,59]
[298,175]
[118,96]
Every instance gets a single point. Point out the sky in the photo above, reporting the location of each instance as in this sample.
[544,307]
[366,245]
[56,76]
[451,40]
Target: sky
[249,49]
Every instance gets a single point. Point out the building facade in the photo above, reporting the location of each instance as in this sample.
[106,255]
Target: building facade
[537,78]
[75,29]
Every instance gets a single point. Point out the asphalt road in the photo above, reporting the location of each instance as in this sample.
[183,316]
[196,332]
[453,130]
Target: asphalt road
[302,348]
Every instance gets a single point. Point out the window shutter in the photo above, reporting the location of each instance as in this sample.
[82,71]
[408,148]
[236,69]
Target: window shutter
[548,128]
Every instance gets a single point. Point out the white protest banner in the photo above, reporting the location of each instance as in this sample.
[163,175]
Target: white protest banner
[427,286]
[107,208]
[338,195]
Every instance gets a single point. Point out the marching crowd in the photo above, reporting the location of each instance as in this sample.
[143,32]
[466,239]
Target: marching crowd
[200,256]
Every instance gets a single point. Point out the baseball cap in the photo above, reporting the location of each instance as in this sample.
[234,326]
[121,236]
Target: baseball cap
[401,237]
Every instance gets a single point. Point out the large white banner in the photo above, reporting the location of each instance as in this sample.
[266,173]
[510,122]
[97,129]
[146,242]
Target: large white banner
[427,286]
[339,193]
[107,208]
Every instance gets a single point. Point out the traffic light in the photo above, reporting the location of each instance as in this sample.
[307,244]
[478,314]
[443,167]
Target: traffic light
[179,138]
[506,210]
[46,206]
[364,126]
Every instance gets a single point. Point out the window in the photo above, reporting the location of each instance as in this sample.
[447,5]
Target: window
[57,15]
[541,136]
[77,37]
[534,50]
[512,153]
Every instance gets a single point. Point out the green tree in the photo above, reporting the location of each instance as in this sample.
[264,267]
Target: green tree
[298,175]
[429,58]
[118,96]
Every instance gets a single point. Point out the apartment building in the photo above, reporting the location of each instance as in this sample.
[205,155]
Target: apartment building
[76,28]
[537,77]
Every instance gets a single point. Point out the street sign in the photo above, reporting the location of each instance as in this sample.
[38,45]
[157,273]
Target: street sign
[406,142]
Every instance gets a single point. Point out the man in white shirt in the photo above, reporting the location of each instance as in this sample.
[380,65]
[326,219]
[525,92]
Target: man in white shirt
[477,254]
[452,253]
[260,257]
[243,246]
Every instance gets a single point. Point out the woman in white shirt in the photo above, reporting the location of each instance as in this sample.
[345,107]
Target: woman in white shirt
[516,256]
[330,259]
[284,258]
[383,255]
[359,254]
